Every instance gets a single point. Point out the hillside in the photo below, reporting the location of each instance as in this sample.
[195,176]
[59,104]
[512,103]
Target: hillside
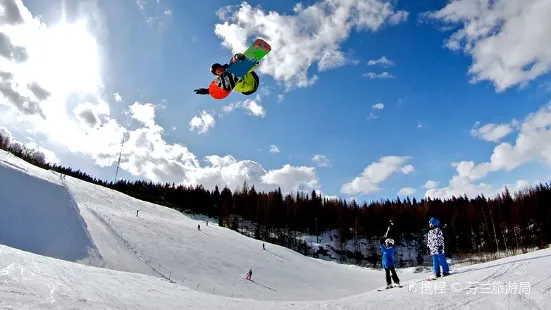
[72,244]
[165,242]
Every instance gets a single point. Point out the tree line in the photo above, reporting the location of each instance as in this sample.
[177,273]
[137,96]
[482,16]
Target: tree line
[503,223]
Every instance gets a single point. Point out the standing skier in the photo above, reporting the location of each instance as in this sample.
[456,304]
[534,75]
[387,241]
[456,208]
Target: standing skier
[249,274]
[387,249]
[436,247]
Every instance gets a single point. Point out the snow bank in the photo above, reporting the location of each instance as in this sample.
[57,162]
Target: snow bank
[40,216]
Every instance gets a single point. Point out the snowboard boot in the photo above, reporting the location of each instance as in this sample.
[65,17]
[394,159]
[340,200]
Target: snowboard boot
[446,274]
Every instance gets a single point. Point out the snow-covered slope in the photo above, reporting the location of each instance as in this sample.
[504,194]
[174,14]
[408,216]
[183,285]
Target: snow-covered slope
[164,241]
[30,281]
[92,225]
[216,259]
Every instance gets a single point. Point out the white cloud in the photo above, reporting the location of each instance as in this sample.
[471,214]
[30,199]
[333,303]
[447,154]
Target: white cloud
[374,174]
[202,123]
[155,14]
[312,35]
[274,149]
[252,106]
[321,160]
[55,71]
[117,97]
[406,191]
[141,4]
[493,132]
[292,178]
[430,184]
[407,169]
[378,106]
[508,40]
[373,75]
[372,116]
[144,113]
[383,61]
[531,145]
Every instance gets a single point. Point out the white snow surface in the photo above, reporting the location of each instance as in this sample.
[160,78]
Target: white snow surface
[69,244]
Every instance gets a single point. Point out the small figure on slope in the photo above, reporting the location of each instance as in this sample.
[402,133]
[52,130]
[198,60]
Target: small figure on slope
[249,274]
[435,243]
[387,249]
[198,227]
[137,211]
[263,247]
[228,82]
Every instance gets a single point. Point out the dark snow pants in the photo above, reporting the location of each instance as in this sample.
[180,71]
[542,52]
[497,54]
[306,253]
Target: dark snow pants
[388,272]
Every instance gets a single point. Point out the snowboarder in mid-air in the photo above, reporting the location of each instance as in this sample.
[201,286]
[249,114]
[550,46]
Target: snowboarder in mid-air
[249,274]
[239,75]
[228,82]
[387,249]
[435,242]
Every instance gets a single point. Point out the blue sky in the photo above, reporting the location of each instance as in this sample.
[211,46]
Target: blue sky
[154,53]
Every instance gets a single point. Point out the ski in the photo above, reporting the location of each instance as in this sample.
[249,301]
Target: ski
[436,278]
[387,288]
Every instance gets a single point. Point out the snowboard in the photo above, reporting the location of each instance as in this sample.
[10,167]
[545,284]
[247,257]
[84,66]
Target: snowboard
[258,50]
[253,55]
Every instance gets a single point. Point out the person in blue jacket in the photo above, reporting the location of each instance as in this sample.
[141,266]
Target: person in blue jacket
[435,242]
[387,249]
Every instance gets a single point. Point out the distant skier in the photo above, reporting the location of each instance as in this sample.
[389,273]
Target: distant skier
[137,211]
[249,274]
[435,243]
[198,226]
[263,247]
[387,249]
[207,223]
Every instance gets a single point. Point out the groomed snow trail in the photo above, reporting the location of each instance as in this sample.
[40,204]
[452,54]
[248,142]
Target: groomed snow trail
[30,281]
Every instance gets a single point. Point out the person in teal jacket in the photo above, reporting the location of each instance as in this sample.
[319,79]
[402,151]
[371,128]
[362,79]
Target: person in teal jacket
[387,249]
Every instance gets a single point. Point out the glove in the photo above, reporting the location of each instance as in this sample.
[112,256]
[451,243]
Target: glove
[201,91]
